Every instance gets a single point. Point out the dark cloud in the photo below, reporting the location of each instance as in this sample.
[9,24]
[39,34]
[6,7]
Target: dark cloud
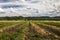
[13,6]
[7,0]
[32,1]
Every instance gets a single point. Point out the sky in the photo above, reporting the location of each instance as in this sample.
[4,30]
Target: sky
[28,8]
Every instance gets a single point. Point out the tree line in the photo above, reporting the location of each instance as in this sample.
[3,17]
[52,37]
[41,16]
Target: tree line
[30,18]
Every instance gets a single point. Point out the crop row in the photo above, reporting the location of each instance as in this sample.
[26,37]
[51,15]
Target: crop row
[52,23]
[14,33]
[30,31]
[49,32]
[6,24]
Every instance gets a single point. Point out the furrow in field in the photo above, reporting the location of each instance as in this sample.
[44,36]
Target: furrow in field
[9,27]
[14,33]
[45,33]
[10,33]
[12,28]
[50,28]
[56,24]
[31,34]
[26,33]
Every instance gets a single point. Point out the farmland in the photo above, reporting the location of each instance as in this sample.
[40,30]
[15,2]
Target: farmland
[29,30]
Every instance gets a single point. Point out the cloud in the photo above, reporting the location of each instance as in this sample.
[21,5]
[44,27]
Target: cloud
[12,6]
[29,7]
[7,0]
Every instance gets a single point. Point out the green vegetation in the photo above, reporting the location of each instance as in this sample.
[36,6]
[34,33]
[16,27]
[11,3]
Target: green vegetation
[43,18]
[14,34]
[12,18]
[57,24]
[32,34]
[29,30]
[6,24]
[48,32]
[30,18]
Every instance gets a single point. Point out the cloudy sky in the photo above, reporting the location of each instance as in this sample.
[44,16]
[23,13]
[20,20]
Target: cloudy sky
[29,8]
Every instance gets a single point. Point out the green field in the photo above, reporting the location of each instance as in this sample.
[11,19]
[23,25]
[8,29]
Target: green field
[29,30]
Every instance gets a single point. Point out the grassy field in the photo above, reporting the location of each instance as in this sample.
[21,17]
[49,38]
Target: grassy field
[29,30]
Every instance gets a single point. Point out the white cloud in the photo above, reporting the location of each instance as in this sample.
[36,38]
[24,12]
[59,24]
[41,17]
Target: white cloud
[30,8]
